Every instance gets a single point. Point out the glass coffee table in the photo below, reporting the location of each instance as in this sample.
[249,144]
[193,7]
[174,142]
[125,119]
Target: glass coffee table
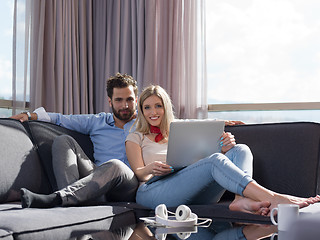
[226,225]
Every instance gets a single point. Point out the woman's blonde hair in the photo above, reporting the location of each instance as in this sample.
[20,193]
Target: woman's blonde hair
[142,124]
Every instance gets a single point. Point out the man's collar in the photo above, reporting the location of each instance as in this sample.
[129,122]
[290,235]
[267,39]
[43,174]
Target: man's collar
[130,122]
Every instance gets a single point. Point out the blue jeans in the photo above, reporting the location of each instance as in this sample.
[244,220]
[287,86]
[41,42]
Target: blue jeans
[203,182]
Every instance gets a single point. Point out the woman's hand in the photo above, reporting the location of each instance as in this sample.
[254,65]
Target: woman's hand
[144,172]
[233,123]
[227,142]
[158,168]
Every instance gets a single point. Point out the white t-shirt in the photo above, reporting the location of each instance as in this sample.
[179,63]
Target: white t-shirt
[151,151]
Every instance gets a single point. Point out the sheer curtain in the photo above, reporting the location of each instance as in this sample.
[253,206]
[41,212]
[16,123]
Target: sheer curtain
[175,53]
[77,45]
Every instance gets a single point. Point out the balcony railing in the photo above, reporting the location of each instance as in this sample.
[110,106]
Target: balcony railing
[264,106]
[9,104]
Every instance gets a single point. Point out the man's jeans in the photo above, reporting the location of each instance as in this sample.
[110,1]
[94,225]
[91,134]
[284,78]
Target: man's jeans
[79,180]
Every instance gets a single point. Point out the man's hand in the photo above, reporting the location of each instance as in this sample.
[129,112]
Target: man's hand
[22,117]
[233,123]
[227,142]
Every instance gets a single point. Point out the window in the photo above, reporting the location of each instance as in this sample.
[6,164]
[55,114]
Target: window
[22,86]
[264,51]
[6,21]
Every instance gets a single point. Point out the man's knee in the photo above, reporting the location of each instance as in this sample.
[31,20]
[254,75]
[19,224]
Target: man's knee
[62,140]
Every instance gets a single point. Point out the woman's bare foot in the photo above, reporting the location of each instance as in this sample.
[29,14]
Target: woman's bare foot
[287,199]
[248,205]
[258,193]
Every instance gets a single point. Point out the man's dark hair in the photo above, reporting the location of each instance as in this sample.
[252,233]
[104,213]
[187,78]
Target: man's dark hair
[121,81]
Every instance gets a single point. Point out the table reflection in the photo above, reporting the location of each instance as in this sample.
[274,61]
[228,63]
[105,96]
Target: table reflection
[216,231]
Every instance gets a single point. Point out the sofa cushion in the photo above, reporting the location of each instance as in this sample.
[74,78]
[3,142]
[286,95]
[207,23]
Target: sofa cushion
[19,161]
[62,223]
[286,155]
[43,134]
[5,235]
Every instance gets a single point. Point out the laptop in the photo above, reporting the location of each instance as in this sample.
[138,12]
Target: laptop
[190,141]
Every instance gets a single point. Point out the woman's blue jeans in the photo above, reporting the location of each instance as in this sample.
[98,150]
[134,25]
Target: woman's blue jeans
[203,182]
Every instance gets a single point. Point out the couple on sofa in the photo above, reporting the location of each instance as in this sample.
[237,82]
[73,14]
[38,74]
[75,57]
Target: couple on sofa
[117,149]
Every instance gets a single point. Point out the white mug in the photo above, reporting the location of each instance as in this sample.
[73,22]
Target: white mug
[281,235]
[287,213]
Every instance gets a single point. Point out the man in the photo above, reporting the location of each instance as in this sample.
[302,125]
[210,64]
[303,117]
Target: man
[107,131]
[78,178]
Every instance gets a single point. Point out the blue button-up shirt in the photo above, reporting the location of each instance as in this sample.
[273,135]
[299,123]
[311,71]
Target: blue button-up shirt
[108,140]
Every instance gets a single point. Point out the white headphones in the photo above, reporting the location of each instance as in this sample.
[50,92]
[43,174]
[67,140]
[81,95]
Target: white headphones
[183,222]
[183,217]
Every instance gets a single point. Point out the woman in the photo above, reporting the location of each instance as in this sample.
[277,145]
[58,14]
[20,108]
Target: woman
[202,182]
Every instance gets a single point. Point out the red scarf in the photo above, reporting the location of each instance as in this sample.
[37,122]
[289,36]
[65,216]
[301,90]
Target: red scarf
[154,129]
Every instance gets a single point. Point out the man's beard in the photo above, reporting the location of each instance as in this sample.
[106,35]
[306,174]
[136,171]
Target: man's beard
[121,116]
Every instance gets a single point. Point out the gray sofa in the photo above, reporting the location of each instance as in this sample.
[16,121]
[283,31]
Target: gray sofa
[25,158]
[286,159]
